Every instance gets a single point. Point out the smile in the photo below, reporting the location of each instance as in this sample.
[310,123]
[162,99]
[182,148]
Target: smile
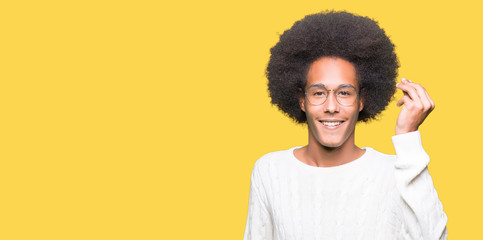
[331,124]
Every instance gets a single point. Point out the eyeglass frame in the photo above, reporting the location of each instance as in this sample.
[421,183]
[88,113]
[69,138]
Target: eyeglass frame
[333,90]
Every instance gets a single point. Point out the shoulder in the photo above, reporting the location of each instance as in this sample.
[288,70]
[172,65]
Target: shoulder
[274,159]
[380,168]
[381,160]
[380,155]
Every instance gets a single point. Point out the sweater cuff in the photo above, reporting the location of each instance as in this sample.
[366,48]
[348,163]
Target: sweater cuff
[409,148]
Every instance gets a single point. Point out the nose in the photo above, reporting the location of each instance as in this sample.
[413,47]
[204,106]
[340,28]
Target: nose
[331,105]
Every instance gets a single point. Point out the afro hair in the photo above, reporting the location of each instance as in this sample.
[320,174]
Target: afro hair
[354,38]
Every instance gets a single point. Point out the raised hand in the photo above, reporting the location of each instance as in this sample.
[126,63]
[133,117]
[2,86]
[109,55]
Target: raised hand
[416,106]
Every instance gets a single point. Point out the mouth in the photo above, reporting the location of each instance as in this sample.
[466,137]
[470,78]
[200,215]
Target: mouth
[331,123]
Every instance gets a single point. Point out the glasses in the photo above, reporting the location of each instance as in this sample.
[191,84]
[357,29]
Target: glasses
[345,95]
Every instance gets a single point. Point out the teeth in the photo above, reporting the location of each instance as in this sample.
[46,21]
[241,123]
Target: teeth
[331,123]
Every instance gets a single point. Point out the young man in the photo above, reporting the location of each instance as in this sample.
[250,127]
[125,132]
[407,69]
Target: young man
[331,70]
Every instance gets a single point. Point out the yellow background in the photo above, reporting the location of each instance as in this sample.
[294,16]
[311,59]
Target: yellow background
[143,119]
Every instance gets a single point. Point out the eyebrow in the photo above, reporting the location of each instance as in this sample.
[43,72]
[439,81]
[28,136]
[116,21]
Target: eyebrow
[323,86]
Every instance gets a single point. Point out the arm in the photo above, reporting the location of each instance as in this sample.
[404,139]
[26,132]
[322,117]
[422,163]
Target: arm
[259,220]
[422,211]
[423,214]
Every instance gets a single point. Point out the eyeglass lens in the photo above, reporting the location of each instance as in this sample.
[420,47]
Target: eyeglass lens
[344,95]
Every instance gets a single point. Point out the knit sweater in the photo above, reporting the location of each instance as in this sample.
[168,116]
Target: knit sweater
[376,196]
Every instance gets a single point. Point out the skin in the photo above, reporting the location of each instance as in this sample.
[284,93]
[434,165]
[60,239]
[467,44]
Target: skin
[416,106]
[329,147]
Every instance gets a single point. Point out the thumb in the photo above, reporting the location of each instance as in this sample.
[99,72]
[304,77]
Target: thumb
[402,101]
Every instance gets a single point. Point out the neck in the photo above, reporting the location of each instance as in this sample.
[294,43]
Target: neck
[316,154]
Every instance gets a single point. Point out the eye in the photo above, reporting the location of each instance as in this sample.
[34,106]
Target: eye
[319,93]
[345,93]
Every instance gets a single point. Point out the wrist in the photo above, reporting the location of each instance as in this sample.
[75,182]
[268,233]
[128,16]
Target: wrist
[404,130]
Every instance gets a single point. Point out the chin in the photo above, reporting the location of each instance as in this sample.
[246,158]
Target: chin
[331,144]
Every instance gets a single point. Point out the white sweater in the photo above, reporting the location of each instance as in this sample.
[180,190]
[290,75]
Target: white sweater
[376,196]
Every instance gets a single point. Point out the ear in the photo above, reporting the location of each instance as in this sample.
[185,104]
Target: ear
[361,103]
[302,100]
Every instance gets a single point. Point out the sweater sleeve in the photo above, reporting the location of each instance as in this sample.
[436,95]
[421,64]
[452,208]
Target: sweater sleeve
[259,224]
[422,212]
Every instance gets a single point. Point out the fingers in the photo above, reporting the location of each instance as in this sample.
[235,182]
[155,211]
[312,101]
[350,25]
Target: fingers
[424,96]
[430,100]
[408,88]
[415,95]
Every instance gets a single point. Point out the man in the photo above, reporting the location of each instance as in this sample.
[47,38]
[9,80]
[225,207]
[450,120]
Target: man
[331,70]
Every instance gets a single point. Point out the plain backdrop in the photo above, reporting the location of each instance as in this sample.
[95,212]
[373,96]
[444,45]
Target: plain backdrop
[143,119]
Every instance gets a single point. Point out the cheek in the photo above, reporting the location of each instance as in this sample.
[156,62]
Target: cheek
[313,111]
[354,115]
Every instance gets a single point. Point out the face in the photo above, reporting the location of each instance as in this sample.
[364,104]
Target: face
[331,124]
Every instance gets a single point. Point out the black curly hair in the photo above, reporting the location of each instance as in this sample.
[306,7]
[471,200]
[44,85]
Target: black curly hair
[353,38]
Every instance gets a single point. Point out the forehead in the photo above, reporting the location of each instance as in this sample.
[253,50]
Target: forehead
[332,72]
